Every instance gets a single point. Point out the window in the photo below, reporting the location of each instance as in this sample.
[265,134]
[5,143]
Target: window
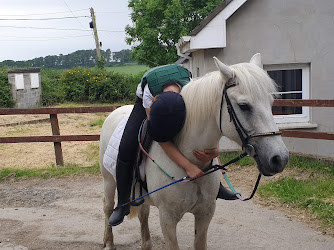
[34,80]
[293,83]
[19,81]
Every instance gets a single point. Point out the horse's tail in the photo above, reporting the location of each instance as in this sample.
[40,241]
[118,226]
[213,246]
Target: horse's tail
[133,212]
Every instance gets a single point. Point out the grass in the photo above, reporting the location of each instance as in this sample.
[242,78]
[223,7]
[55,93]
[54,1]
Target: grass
[130,68]
[227,156]
[98,122]
[48,172]
[310,188]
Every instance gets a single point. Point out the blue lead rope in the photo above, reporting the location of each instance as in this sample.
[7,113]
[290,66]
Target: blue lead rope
[172,183]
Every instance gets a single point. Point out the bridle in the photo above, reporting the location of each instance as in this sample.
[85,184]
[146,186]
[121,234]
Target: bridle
[244,136]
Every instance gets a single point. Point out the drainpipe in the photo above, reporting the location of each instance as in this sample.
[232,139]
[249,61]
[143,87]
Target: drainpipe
[183,40]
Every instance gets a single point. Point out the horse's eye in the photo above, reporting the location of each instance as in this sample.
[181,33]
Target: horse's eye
[244,106]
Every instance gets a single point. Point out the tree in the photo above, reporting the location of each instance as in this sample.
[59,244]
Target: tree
[158,24]
[123,56]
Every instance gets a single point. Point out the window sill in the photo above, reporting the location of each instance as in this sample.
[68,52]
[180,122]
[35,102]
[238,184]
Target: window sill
[296,125]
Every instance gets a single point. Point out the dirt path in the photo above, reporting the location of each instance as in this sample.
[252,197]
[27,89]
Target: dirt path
[66,213]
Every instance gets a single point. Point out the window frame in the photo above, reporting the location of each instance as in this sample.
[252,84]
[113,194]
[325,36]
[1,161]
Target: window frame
[304,117]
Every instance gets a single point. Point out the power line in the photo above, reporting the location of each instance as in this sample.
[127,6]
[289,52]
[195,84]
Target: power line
[39,39]
[40,14]
[39,28]
[74,15]
[35,19]
[41,36]
[49,28]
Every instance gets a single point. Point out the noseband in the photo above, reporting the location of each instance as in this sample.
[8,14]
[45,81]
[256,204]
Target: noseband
[244,136]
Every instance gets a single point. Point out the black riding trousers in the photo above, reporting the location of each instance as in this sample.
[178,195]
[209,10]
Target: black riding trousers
[129,142]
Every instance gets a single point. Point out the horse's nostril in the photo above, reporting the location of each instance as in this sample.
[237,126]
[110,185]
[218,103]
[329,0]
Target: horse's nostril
[276,162]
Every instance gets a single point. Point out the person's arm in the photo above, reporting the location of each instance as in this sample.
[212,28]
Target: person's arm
[176,156]
[207,155]
[148,113]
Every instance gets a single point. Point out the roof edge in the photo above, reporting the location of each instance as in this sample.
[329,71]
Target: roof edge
[212,15]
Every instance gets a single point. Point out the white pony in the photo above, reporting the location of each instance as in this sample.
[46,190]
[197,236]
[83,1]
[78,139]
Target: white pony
[206,122]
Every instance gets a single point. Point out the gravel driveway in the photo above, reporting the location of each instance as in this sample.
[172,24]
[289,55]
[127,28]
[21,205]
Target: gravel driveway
[66,213]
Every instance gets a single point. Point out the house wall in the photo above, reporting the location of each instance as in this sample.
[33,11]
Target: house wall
[29,94]
[287,32]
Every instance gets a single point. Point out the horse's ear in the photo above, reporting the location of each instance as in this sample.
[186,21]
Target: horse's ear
[226,71]
[256,59]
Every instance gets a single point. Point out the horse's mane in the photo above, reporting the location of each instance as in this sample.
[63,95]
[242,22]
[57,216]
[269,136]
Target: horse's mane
[203,95]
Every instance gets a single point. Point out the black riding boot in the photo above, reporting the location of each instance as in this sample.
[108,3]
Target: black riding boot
[225,194]
[124,176]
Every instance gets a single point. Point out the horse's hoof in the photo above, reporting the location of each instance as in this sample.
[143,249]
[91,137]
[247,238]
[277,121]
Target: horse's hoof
[110,248]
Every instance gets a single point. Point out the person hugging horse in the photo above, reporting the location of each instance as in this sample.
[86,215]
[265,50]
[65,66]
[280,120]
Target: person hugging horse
[159,100]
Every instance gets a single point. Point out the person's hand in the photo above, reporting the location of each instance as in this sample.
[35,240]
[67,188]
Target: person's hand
[206,155]
[194,172]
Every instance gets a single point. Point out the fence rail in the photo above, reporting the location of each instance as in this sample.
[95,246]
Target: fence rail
[56,138]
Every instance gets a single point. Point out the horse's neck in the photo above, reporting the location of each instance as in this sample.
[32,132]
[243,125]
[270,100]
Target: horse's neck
[205,135]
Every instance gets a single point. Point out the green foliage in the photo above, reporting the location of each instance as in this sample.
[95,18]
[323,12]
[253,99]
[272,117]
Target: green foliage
[48,172]
[6,99]
[101,63]
[80,58]
[158,24]
[96,85]
[79,85]
[52,89]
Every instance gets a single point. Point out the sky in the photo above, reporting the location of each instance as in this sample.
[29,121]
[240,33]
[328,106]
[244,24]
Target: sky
[66,30]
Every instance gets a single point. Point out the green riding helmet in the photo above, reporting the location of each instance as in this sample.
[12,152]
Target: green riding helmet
[158,77]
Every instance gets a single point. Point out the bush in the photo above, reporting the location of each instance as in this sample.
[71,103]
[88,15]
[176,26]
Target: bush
[6,99]
[78,85]
[97,85]
[52,88]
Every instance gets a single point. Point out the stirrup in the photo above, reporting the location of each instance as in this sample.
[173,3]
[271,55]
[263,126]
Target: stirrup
[226,194]
[140,201]
[137,202]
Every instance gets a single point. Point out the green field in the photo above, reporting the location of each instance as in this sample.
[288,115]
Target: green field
[129,68]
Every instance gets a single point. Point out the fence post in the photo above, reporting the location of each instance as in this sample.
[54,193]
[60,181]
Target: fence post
[57,145]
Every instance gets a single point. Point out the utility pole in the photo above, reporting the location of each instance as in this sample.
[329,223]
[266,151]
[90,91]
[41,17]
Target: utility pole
[97,43]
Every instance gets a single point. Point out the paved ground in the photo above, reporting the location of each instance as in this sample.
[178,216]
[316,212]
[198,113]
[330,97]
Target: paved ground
[66,213]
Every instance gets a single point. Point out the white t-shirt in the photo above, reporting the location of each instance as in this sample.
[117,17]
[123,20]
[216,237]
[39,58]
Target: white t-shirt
[146,96]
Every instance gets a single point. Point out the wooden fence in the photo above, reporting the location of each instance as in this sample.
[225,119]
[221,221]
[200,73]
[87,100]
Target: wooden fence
[56,138]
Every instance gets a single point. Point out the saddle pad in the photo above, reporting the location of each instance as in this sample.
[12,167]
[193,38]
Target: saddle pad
[111,153]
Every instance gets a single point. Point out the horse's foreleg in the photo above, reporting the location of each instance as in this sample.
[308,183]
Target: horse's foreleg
[143,213]
[108,207]
[168,222]
[202,221]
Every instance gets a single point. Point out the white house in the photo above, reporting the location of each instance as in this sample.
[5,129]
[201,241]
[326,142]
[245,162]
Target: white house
[296,41]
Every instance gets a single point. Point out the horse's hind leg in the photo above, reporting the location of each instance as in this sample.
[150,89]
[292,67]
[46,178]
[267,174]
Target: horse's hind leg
[108,206]
[202,221]
[143,213]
